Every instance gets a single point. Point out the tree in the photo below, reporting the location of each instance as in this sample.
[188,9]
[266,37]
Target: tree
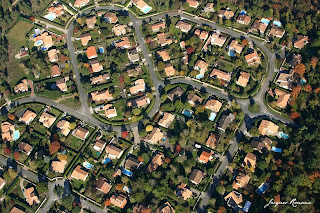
[254,131]
[7,151]
[119,187]
[149,128]
[238,62]
[136,111]
[294,115]
[220,189]
[12,173]
[107,202]
[254,108]
[296,91]
[62,157]
[73,125]
[244,42]
[300,69]
[42,187]
[11,116]
[16,155]
[314,61]
[54,147]
[67,202]
[308,88]
[161,65]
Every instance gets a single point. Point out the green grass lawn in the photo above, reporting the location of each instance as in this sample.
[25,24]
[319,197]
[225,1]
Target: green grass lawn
[73,142]
[225,66]
[17,39]
[71,102]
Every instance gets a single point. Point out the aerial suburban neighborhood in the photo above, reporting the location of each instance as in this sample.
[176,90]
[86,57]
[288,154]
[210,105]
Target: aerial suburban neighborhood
[159,106]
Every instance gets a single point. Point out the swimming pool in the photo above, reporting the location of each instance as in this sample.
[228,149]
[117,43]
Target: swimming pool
[246,206]
[242,12]
[106,160]
[275,149]
[187,113]
[283,135]
[262,188]
[278,23]
[212,116]
[101,50]
[265,21]
[16,135]
[127,172]
[38,43]
[199,76]
[231,53]
[50,16]
[146,9]
[302,81]
[87,165]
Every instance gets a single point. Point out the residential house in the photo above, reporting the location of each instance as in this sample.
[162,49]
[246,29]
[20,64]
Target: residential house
[47,119]
[166,120]
[183,26]
[225,121]
[193,3]
[217,39]
[103,185]
[7,130]
[2,182]
[243,19]
[252,58]
[45,39]
[25,148]
[31,196]
[103,95]
[201,66]
[91,21]
[243,79]
[250,161]
[212,140]
[259,146]
[85,38]
[205,157]
[118,200]
[27,117]
[21,87]
[99,145]
[156,161]
[134,71]
[96,66]
[268,128]
[183,191]
[220,75]
[196,176]
[140,208]
[61,84]
[259,27]
[56,10]
[165,208]
[139,86]
[119,29]
[155,137]
[295,59]
[157,26]
[233,199]
[64,127]
[177,92]
[123,43]
[276,32]
[267,142]
[284,80]
[209,8]
[236,46]
[79,173]
[162,39]
[225,14]
[16,210]
[132,163]
[113,151]
[133,55]
[110,17]
[58,165]
[142,6]
[91,52]
[300,41]
[213,105]
[283,98]
[110,111]
[53,55]
[203,35]
[164,55]
[139,102]
[194,99]
[169,70]
[100,79]
[241,181]
[55,71]
[80,133]
[80,3]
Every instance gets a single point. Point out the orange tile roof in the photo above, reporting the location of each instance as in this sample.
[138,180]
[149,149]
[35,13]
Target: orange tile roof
[96,66]
[301,41]
[58,166]
[235,45]
[236,196]
[268,127]
[185,192]
[118,200]
[113,151]
[162,39]
[252,58]
[55,71]
[91,21]
[103,185]
[217,39]
[6,130]
[139,102]
[81,3]
[259,26]
[277,32]
[91,52]
[139,86]
[244,19]
[213,105]
[80,133]
[183,26]
[31,196]
[85,38]
[166,120]
[16,210]
[61,84]
[110,111]
[111,17]
[157,26]
[226,13]
[201,66]
[220,74]
[119,30]
[212,140]
[243,79]
[123,43]
[155,136]
[164,55]
[193,3]
[79,174]
[28,117]
[165,208]
[241,181]
[205,157]
[47,119]
[169,70]
[104,95]
[250,160]
[64,126]
[53,56]
[283,98]
[22,87]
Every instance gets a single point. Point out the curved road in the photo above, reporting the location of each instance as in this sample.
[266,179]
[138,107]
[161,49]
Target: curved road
[84,112]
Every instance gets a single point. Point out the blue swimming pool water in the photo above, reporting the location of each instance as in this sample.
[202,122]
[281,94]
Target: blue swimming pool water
[43,48]
[262,189]
[101,50]
[283,135]
[246,206]
[265,21]
[146,9]
[302,81]
[242,12]
[199,76]
[212,116]
[38,43]
[278,23]
[187,113]
[50,16]
[127,172]
[16,135]
[275,149]
[231,53]
[87,165]
[106,160]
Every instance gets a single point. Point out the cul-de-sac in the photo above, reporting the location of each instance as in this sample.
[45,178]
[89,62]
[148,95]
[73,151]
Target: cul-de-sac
[159,106]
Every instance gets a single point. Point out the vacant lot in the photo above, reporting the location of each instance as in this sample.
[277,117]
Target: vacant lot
[17,39]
